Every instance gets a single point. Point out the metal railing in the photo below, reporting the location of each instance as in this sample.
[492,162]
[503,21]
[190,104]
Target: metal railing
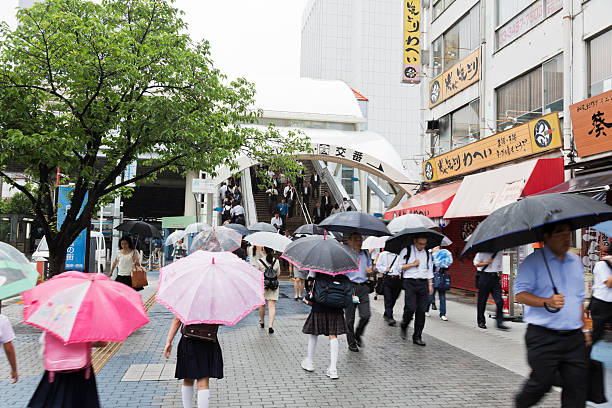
[305,212]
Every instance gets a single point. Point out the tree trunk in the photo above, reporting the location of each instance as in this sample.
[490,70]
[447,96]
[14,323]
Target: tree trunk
[57,261]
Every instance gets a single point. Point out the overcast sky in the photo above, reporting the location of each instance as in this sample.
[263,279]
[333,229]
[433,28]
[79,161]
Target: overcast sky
[251,38]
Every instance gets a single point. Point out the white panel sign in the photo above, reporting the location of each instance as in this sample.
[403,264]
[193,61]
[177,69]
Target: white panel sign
[203,186]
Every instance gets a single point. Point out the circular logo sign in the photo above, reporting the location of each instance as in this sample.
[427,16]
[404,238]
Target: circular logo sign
[410,72]
[542,133]
[434,92]
[429,173]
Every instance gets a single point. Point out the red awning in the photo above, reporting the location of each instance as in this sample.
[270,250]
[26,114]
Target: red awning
[431,203]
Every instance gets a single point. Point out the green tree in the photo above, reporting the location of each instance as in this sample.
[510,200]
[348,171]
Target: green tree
[19,203]
[89,88]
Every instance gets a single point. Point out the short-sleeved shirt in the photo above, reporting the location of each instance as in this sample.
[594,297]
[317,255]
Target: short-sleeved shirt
[495,266]
[425,268]
[388,259]
[361,275]
[568,276]
[601,273]
[6,330]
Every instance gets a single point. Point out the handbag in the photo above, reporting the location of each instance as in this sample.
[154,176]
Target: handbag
[596,391]
[202,331]
[441,280]
[139,277]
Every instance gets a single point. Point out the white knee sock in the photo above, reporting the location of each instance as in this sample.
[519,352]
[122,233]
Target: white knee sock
[333,348]
[203,396]
[312,345]
[187,395]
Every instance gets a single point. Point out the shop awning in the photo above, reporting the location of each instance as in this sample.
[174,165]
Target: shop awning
[432,203]
[480,194]
[587,183]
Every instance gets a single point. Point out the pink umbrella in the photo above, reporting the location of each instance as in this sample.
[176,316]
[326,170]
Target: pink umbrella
[81,307]
[210,287]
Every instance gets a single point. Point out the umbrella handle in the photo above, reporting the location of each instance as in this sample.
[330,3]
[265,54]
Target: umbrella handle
[556,292]
[551,309]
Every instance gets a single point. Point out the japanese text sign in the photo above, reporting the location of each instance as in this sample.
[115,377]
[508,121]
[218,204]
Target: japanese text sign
[412,41]
[455,79]
[75,255]
[592,124]
[536,136]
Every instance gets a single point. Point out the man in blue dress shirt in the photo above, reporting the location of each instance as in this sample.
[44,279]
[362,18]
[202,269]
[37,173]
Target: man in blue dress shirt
[556,342]
[359,279]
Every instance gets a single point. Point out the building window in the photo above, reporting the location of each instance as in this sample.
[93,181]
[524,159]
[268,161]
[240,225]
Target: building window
[457,42]
[439,7]
[533,94]
[457,129]
[600,61]
[506,9]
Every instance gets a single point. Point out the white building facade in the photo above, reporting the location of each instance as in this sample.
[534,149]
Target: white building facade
[360,43]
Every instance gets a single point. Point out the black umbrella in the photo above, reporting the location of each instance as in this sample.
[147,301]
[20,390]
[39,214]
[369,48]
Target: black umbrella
[141,228]
[521,222]
[318,254]
[239,228]
[261,227]
[309,229]
[406,236]
[349,222]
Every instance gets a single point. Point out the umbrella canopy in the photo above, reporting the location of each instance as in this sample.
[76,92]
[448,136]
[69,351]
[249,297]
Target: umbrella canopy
[210,287]
[42,250]
[141,228]
[374,242]
[272,240]
[410,221]
[241,229]
[217,239]
[175,237]
[309,229]
[262,226]
[349,222]
[196,227]
[604,227]
[522,222]
[16,272]
[321,255]
[405,238]
[82,307]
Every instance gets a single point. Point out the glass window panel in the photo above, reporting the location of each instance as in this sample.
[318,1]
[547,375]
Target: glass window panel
[444,141]
[507,9]
[600,71]
[464,37]
[552,72]
[438,62]
[475,27]
[438,9]
[451,46]
[464,125]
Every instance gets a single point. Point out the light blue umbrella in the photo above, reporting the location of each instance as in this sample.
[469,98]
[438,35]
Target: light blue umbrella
[16,273]
[604,227]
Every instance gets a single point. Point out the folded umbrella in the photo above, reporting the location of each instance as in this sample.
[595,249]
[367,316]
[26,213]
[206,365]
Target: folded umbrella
[309,229]
[210,287]
[141,228]
[374,242]
[350,222]
[196,227]
[239,228]
[175,237]
[410,221]
[262,226]
[321,254]
[16,272]
[81,307]
[217,239]
[406,237]
[271,240]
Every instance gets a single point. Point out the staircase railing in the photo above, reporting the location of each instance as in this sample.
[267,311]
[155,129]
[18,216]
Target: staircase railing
[305,212]
[248,198]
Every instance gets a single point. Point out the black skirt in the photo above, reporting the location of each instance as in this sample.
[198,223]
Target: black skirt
[68,390]
[126,280]
[198,359]
[325,323]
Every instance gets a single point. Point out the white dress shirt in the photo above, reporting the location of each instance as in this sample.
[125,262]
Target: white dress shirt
[237,210]
[601,273]
[385,259]
[496,265]
[423,271]
[277,222]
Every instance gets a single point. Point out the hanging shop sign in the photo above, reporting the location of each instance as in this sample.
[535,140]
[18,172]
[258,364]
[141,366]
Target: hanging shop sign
[455,79]
[592,124]
[536,136]
[412,42]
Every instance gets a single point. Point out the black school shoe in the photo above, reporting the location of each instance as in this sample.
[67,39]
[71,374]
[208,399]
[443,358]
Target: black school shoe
[353,347]
[418,341]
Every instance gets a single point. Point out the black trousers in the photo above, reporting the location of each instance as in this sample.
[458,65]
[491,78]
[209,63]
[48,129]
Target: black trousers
[488,283]
[416,296]
[601,312]
[391,290]
[549,354]
[363,293]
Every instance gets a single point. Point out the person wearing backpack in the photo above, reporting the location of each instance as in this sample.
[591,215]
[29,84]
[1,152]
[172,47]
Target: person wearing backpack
[328,295]
[270,267]
[69,380]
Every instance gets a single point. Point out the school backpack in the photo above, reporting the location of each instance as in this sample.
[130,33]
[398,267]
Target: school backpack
[270,276]
[333,291]
[60,357]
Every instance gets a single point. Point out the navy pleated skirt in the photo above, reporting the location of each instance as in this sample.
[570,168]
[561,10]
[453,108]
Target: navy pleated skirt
[68,390]
[198,359]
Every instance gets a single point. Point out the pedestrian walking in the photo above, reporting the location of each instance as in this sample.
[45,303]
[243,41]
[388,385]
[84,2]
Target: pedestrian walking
[267,263]
[361,288]
[326,203]
[417,282]
[345,205]
[601,299]
[276,221]
[323,320]
[392,282]
[127,258]
[318,214]
[237,214]
[197,360]
[299,277]
[487,282]
[180,249]
[442,259]
[306,193]
[315,182]
[222,191]
[283,210]
[272,193]
[7,335]
[68,380]
[557,336]
[335,210]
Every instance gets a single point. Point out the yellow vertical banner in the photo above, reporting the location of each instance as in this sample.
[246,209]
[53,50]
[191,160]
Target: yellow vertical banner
[412,42]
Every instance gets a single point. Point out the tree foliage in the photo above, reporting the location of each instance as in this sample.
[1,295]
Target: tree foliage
[89,88]
[18,203]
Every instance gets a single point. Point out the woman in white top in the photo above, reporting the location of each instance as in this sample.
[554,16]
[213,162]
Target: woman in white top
[601,299]
[127,257]
[262,262]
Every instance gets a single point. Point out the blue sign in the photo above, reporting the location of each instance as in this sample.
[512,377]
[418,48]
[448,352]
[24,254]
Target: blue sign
[75,255]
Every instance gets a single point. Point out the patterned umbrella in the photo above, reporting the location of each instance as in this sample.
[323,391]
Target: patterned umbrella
[217,239]
[16,272]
